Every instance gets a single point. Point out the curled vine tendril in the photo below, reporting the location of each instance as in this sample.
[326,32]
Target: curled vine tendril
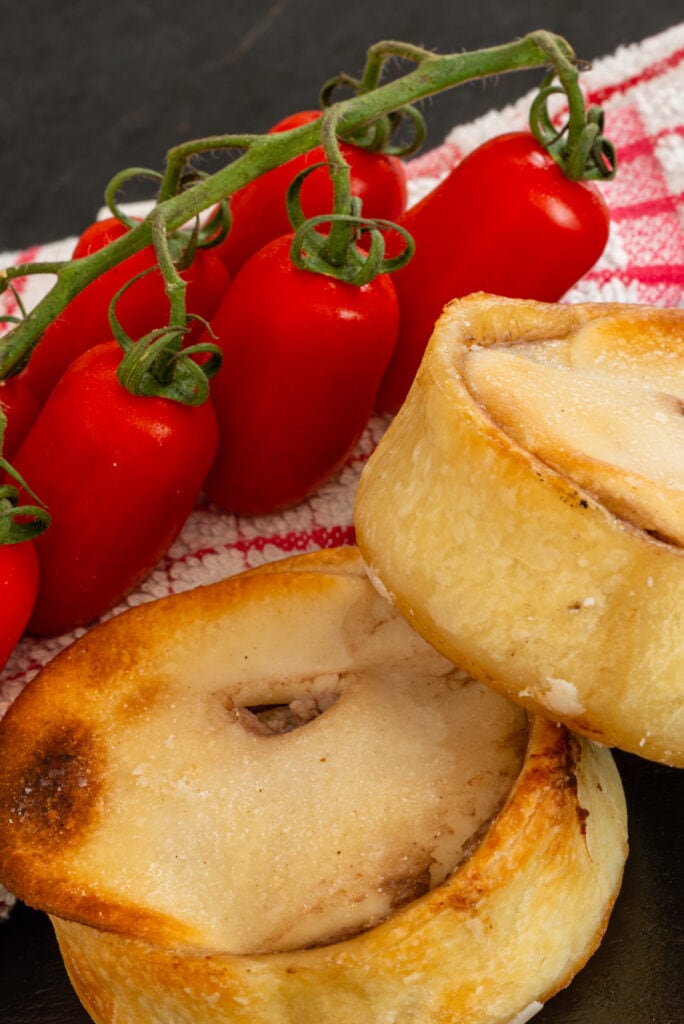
[309,250]
[337,252]
[18,521]
[376,137]
[157,364]
[579,146]
[589,155]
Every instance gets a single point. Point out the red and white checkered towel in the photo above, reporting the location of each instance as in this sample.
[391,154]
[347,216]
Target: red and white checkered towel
[641,88]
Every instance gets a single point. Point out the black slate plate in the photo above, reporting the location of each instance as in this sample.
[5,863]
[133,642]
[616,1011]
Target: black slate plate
[636,977]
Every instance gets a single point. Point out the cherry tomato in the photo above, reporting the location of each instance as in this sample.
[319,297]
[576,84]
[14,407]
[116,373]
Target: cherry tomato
[143,307]
[18,589]
[119,474]
[97,235]
[303,354]
[20,407]
[259,212]
[506,220]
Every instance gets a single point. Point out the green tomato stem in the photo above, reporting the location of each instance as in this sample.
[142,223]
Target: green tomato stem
[341,231]
[175,285]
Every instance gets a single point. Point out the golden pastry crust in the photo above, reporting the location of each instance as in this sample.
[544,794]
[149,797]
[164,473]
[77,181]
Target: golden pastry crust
[509,928]
[525,907]
[559,592]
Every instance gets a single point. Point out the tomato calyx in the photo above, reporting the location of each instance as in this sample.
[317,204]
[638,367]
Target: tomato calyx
[18,522]
[377,136]
[578,146]
[358,264]
[336,251]
[590,157]
[157,364]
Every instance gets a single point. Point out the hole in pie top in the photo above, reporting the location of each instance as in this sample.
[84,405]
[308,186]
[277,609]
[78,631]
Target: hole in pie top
[276,719]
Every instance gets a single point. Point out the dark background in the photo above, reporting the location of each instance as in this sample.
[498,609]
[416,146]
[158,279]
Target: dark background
[89,88]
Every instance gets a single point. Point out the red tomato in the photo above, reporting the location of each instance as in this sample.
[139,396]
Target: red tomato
[143,307]
[303,355]
[20,408]
[97,235]
[506,220]
[258,210]
[18,589]
[119,474]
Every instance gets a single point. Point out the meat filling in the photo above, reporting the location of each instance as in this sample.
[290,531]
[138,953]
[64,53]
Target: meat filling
[276,719]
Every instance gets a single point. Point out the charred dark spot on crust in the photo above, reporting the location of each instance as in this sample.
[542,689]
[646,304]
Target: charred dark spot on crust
[407,888]
[474,841]
[574,500]
[573,754]
[564,778]
[54,796]
[559,764]
[582,815]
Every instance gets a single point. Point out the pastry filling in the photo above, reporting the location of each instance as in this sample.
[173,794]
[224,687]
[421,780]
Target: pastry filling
[604,407]
[276,719]
[319,804]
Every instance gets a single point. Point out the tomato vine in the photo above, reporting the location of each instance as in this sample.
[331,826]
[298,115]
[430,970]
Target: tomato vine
[368,118]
